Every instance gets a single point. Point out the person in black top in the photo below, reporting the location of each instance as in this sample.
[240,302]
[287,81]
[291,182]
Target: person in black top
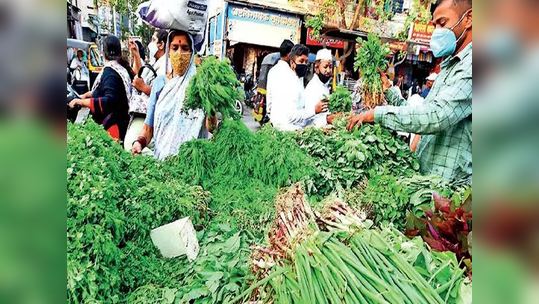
[109,99]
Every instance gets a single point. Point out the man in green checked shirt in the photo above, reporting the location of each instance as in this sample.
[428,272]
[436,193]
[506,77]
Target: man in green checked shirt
[445,119]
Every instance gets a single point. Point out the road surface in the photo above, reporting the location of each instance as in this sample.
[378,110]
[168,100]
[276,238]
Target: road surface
[249,120]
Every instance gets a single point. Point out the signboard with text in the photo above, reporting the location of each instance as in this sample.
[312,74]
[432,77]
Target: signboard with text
[262,27]
[398,46]
[324,41]
[422,32]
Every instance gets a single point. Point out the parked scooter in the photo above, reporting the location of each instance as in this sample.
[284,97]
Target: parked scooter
[250,91]
[78,114]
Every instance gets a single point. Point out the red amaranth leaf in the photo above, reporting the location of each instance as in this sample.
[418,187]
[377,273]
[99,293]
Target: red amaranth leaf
[435,244]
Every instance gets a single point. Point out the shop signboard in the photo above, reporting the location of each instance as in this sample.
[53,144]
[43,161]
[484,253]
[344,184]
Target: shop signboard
[218,48]
[324,41]
[262,27]
[398,46]
[422,32]
[104,20]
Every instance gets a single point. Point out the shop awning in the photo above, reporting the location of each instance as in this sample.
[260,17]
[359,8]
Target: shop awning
[351,35]
[281,7]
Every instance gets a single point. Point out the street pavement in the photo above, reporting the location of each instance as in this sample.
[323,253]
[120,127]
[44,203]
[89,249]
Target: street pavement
[249,120]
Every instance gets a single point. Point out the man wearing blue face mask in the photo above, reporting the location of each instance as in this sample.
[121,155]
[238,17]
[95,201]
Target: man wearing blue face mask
[445,119]
[286,94]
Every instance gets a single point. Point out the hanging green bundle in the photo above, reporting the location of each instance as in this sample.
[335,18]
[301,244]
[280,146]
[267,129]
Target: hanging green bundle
[215,89]
[372,56]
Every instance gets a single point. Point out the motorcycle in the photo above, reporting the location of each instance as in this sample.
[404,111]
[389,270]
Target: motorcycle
[77,114]
[239,104]
[250,91]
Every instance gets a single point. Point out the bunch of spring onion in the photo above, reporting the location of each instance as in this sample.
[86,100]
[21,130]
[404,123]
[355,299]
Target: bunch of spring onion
[359,269]
[294,216]
[339,216]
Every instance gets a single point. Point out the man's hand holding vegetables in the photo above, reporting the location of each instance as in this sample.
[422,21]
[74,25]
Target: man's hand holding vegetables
[445,120]
[318,88]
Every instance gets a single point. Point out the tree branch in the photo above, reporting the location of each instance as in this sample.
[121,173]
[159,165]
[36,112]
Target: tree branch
[342,10]
[350,50]
[356,16]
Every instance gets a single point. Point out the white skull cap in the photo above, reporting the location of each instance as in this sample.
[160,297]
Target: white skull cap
[325,55]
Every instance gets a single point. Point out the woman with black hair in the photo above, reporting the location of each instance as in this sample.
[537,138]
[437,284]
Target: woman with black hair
[109,99]
[167,124]
[138,104]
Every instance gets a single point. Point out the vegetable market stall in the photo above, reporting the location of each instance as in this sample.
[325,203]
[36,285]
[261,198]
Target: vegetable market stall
[115,200]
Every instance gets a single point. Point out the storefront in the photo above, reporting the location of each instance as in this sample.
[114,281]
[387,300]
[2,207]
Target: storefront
[323,42]
[74,28]
[247,34]
[420,61]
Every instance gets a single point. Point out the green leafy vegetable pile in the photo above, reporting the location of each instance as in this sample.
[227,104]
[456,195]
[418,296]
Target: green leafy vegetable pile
[392,199]
[344,159]
[243,171]
[446,227]
[441,269]
[220,272]
[214,88]
[340,100]
[335,257]
[371,57]
[227,186]
[115,200]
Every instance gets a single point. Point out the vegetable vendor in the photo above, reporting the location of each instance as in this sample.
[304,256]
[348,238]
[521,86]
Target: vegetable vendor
[319,86]
[165,122]
[445,119]
[286,94]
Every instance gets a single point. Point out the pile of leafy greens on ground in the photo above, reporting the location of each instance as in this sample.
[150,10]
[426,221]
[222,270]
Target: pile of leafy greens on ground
[335,256]
[227,186]
[214,89]
[445,227]
[243,171]
[115,200]
[345,159]
[391,199]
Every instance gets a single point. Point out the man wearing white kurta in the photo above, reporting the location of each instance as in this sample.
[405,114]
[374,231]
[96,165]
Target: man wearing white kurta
[281,68]
[318,89]
[286,93]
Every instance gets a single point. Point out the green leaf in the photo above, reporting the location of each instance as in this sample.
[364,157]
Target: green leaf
[232,244]
[198,293]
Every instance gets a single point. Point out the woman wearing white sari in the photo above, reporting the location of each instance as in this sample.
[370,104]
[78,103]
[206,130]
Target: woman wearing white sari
[166,124]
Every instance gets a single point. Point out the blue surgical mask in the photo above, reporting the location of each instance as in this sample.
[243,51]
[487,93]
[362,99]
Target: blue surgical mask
[444,41]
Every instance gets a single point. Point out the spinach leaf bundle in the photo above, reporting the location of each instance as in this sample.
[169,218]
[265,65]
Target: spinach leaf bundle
[340,100]
[344,160]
